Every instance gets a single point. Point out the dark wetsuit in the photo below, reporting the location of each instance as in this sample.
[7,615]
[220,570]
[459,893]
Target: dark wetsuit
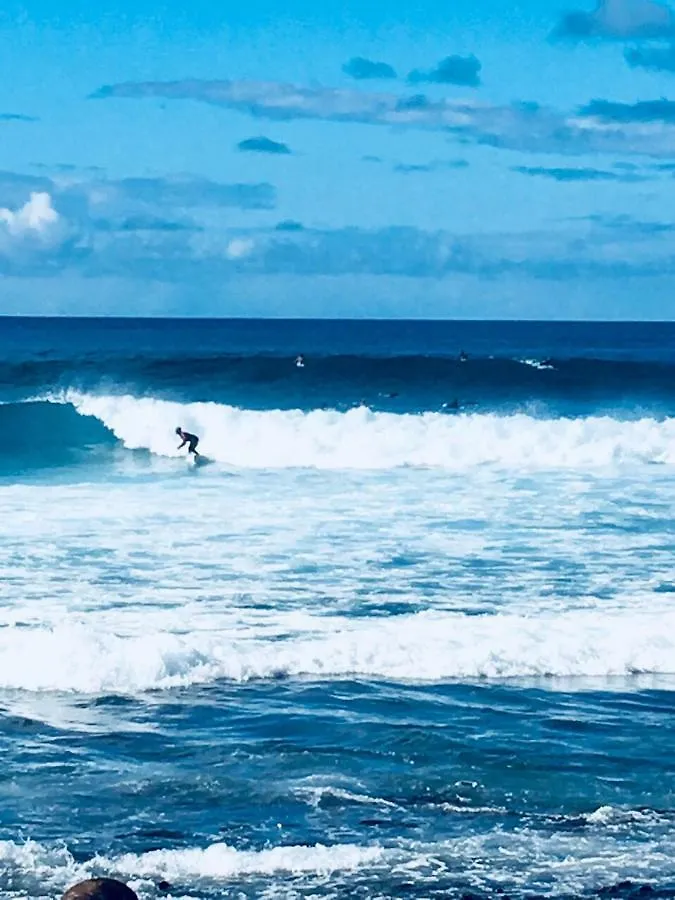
[191,440]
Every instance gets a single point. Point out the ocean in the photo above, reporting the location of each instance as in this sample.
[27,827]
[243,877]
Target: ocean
[411,634]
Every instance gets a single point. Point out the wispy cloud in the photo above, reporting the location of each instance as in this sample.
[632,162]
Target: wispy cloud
[15,187]
[460,70]
[518,126]
[365,69]
[581,174]
[289,225]
[144,222]
[642,112]
[263,145]
[16,117]
[435,165]
[185,192]
[68,169]
[635,229]
[619,20]
[656,58]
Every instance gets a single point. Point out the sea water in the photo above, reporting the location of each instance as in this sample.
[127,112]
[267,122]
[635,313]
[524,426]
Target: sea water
[411,634]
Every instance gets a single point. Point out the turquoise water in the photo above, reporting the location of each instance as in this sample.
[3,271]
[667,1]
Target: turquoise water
[380,648]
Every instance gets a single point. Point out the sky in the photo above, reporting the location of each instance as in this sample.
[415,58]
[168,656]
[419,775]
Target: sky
[343,158]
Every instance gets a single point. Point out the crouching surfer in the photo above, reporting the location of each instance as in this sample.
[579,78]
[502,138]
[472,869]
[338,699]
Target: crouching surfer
[190,439]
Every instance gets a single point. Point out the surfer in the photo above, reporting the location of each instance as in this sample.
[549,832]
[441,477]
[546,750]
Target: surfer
[190,439]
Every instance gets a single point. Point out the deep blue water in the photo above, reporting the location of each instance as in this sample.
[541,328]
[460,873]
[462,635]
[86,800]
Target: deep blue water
[409,366]
[387,645]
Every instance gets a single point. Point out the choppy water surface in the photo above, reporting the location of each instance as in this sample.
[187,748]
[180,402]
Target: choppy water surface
[411,633]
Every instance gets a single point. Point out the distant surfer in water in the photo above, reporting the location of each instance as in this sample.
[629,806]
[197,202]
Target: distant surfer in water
[190,439]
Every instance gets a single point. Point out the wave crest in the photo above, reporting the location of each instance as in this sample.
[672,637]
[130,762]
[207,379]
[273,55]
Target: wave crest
[363,439]
[425,647]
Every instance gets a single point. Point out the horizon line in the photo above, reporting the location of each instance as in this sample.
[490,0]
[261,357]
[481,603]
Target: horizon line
[365,319]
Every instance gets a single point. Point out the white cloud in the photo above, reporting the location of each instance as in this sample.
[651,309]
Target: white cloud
[37,239]
[239,248]
[518,126]
[36,216]
[34,235]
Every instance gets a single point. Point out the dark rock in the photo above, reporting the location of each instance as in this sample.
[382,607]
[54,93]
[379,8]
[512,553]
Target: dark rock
[100,889]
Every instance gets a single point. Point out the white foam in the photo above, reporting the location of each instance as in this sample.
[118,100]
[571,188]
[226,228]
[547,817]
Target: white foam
[536,364]
[38,867]
[223,861]
[426,647]
[362,439]
[618,817]
[558,864]
[315,794]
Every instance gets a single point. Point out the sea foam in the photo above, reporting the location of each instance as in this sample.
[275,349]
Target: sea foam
[363,439]
[425,647]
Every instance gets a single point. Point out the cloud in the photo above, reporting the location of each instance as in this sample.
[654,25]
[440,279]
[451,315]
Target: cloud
[34,238]
[434,166]
[16,117]
[598,250]
[38,241]
[36,216]
[104,225]
[68,168]
[239,248]
[263,145]
[414,103]
[164,197]
[149,203]
[145,222]
[642,112]
[619,20]
[266,100]
[362,69]
[580,174]
[522,126]
[657,58]
[289,225]
[635,229]
[186,191]
[15,187]
[461,70]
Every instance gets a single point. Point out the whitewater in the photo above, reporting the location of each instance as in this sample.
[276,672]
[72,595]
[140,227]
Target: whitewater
[359,438]
[411,634]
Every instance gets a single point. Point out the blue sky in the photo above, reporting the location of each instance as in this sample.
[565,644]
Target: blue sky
[338,159]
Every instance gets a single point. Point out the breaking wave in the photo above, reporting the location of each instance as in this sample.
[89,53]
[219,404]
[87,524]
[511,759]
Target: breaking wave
[76,427]
[363,439]
[424,647]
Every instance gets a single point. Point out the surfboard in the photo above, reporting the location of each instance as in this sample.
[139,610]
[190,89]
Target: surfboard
[197,462]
